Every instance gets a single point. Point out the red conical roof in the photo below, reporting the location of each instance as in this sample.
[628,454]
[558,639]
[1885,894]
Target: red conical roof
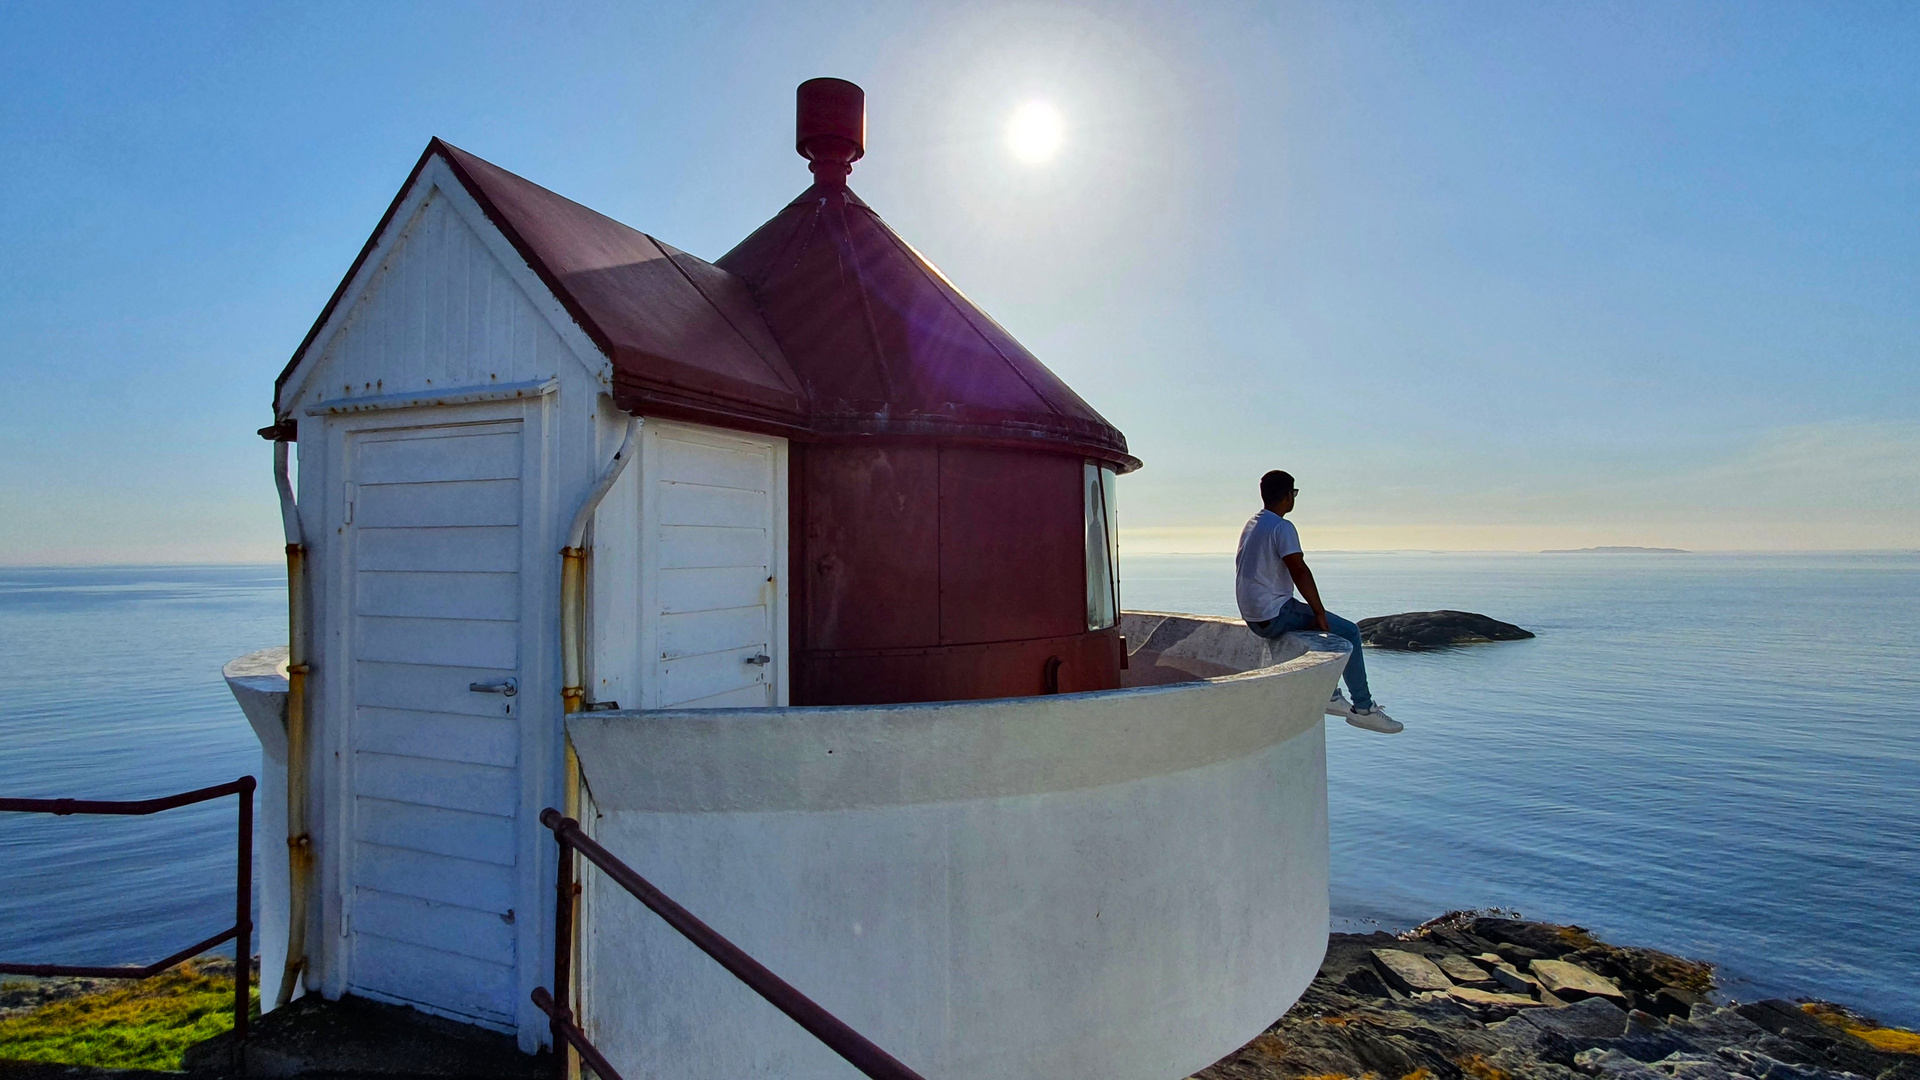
[885,345]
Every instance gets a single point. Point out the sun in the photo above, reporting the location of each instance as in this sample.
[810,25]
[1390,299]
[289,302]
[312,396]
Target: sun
[1034,132]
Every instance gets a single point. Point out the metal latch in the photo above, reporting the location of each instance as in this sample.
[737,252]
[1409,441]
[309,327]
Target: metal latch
[759,658]
[508,686]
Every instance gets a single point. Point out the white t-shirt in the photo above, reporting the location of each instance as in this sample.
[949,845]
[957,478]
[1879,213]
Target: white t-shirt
[1261,581]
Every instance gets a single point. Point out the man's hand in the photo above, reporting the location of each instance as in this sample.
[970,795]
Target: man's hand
[1320,621]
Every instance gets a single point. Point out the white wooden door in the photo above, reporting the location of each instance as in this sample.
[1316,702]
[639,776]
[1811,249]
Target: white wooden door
[434,543]
[710,553]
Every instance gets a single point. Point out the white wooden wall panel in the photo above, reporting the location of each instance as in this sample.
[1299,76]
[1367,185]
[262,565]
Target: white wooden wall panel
[439,311]
[486,550]
[438,831]
[421,689]
[470,987]
[436,926]
[434,784]
[482,740]
[613,577]
[713,544]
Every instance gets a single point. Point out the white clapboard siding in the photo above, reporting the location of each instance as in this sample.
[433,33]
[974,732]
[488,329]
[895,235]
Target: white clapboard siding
[448,980]
[449,927]
[434,779]
[440,312]
[709,530]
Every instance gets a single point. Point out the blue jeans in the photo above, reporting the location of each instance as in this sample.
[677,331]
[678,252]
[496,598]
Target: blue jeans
[1297,616]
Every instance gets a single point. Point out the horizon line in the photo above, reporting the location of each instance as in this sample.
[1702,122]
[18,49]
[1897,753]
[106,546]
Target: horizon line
[201,563]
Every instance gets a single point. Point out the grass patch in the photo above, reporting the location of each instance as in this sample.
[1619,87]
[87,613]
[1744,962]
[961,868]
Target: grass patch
[1891,1039]
[141,1025]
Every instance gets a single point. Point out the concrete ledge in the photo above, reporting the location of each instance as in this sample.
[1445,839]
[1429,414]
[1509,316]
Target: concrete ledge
[838,757]
[259,683]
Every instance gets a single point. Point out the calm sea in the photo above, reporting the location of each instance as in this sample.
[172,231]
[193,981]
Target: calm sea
[1718,755]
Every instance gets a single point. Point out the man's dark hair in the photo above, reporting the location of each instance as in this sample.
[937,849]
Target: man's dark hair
[1275,487]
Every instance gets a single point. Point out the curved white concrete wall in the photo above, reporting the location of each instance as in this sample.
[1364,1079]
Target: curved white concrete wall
[259,683]
[1121,884]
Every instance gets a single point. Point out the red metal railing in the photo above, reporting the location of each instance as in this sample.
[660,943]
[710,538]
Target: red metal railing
[241,932]
[823,1025]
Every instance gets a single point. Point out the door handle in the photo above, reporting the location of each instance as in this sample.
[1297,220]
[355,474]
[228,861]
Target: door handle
[508,686]
[758,659]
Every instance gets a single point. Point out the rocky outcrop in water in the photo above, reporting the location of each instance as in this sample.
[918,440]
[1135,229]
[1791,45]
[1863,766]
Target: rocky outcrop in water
[1469,997]
[1435,630]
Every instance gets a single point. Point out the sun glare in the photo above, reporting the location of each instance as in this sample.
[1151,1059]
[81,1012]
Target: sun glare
[1033,134]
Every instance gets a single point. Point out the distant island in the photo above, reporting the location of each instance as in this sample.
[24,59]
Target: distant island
[1616,551]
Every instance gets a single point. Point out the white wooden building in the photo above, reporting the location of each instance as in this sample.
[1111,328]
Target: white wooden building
[454,406]
[550,471]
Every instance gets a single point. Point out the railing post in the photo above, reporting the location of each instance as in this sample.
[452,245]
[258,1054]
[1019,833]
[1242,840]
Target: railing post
[563,953]
[243,925]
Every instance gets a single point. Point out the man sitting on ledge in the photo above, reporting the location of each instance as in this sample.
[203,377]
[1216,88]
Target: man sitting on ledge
[1266,570]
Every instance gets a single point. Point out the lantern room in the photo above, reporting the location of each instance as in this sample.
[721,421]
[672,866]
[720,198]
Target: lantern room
[953,527]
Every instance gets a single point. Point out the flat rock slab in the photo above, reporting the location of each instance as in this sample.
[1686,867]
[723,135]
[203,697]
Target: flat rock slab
[1594,1018]
[1482,999]
[1573,982]
[1436,630]
[1466,972]
[1411,972]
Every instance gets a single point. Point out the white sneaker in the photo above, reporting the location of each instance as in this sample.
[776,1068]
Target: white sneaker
[1338,705]
[1374,718]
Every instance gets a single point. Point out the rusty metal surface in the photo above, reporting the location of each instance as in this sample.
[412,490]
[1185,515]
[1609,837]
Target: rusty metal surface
[121,971]
[1013,542]
[885,344]
[565,1028]
[943,572]
[1088,661]
[856,1049]
[868,547]
[132,807]
[241,932]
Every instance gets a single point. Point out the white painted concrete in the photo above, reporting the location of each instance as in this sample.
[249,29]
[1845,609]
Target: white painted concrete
[1121,884]
[259,683]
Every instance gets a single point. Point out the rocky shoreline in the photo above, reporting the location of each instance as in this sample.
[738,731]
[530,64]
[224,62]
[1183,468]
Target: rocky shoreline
[1479,997]
[1467,996]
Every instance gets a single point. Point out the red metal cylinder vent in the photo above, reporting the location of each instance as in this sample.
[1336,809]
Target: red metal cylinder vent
[831,127]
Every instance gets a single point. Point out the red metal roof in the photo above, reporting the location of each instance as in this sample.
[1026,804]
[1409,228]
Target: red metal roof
[823,321]
[885,345]
[683,336]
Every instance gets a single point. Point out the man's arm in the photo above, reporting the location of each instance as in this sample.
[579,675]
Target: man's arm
[1303,580]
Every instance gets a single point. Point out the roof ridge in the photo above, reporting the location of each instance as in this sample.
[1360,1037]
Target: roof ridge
[668,251]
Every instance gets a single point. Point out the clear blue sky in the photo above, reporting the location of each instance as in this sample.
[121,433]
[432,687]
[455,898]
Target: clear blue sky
[1482,275]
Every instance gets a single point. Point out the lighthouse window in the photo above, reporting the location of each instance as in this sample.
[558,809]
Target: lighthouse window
[1103,548]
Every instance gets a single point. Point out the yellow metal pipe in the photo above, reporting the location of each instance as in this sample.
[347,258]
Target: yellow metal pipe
[573,693]
[299,840]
